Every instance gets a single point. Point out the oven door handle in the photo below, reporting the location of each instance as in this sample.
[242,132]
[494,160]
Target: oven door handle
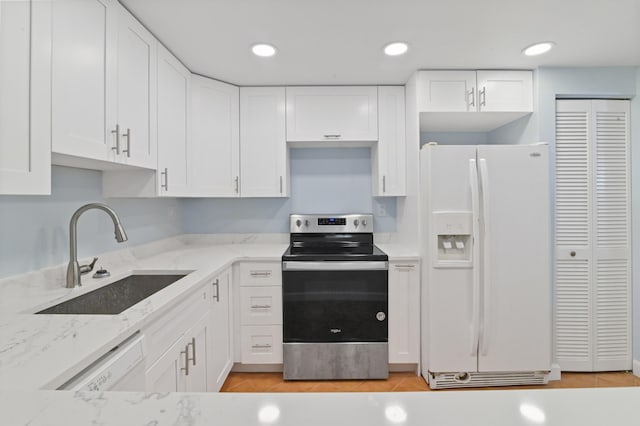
[335,266]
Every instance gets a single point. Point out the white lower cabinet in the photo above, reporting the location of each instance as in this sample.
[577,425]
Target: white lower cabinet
[404,312]
[261,344]
[219,343]
[165,375]
[259,313]
[183,367]
[189,348]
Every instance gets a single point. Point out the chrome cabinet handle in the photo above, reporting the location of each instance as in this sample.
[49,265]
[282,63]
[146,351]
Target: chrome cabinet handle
[405,266]
[472,96]
[117,133]
[186,360]
[216,284]
[333,136]
[260,306]
[260,273]
[384,184]
[261,346]
[127,135]
[482,95]
[237,181]
[193,350]
[165,185]
[281,184]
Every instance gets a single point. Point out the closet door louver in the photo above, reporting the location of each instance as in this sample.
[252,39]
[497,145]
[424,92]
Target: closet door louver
[612,236]
[573,330]
[592,267]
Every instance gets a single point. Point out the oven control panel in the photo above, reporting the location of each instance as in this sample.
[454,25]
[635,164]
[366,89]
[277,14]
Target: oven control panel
[309,223]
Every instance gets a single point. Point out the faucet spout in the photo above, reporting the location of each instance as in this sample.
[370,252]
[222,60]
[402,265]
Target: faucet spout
[74,270]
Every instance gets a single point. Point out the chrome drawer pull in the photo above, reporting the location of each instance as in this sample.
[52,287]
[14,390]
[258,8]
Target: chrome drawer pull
[405,266]
[260,273]
[260,306]
[261,346]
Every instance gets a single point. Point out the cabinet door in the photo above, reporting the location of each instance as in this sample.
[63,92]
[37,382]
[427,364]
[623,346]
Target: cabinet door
[167,373]
[332,114]
[25,66]
[388,155]
[219,353]
[505,91]
[404,312]
[447,91]
[264,164]
[83,78]
[173,103]
[197,345]
[214,139]
[136,92]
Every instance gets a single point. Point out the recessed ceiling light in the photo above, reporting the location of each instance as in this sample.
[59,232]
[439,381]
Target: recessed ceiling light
[538,48]
[396,48]
[263,50]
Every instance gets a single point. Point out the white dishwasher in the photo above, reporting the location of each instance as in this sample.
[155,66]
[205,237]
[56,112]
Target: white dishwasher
[121,369]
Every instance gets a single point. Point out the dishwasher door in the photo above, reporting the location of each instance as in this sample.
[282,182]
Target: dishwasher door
[121,369]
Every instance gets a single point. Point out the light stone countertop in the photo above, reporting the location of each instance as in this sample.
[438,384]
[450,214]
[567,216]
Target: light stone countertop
[553,407]
[41,351]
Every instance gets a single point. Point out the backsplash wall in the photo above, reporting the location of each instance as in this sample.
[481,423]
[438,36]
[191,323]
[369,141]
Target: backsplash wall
[34,230]
[323,180]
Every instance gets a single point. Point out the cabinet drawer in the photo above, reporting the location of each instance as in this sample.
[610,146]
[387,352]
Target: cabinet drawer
[261,305]
[261,344]
[261,274]
[164,332]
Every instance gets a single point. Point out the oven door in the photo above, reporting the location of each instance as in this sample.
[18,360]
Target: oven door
[335,301]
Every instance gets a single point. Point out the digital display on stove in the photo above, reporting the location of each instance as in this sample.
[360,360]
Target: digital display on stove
[332,221]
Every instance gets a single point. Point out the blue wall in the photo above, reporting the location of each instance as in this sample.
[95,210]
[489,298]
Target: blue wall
[34,230]
[322,181]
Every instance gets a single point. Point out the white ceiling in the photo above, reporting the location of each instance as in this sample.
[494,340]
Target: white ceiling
[340,41]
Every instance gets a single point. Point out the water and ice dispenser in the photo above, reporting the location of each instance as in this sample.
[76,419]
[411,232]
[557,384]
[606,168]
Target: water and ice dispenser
[454,234]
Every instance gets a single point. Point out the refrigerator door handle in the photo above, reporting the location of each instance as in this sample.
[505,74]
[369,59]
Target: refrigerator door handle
[486,267]
[475,207]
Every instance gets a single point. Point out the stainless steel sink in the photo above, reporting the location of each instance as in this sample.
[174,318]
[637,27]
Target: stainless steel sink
[116,297]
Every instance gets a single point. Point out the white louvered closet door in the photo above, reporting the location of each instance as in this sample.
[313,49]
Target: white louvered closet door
[592,266]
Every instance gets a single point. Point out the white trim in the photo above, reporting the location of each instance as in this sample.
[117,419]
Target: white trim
[554,374]
[636,367]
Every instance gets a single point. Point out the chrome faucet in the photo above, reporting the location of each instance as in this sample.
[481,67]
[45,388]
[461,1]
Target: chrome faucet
[74,270]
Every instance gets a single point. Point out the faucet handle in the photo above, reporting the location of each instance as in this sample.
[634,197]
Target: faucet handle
[85,269]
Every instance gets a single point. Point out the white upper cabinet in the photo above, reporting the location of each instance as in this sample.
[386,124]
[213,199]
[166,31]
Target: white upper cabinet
[388,155]
[332,114]
[136,143]
[264,164]
[472,101]
[174,82]
[505,91]
[214,163]
[25,100]
[83,78]
[448,91]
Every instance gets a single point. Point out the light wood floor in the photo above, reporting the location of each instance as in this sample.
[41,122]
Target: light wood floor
[404,382]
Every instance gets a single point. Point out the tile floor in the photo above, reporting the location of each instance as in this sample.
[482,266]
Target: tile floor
[403,382]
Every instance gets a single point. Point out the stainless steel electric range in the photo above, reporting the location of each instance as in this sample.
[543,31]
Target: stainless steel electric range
[335,299]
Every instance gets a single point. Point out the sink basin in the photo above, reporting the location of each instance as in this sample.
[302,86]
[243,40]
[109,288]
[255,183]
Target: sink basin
[116,297]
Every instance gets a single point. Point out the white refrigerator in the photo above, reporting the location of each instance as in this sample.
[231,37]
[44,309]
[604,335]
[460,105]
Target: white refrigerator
[486,250]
